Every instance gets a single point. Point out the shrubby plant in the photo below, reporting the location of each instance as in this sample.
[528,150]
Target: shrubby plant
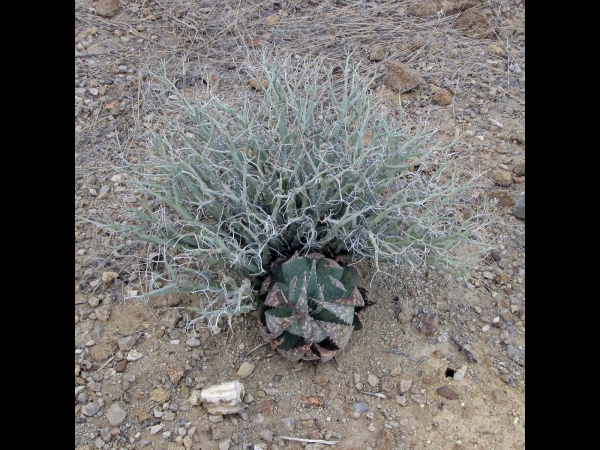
[305,163]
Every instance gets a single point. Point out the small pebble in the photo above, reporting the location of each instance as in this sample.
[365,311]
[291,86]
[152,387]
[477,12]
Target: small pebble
[245,369]
[460,373]
[90,409]
[288,424]
[193,342]
[360,406]
[373,380]
[448,393]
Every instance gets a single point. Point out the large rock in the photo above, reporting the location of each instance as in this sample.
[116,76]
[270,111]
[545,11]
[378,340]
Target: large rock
[519,209]
[170,318]
[473,23]
[116,414]
[400,77]
[376,52]
[107,8]
[224,398]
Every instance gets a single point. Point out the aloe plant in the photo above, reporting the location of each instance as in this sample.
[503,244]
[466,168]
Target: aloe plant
[311,308]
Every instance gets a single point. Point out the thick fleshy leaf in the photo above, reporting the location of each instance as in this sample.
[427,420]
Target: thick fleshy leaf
[276,323]
[343,312]
[326,266]
[275,297]
[320,334]
[311,289]
[324,353]
[292,294]
[355,299]
[339,334]
[295,266]
[307,328]
[302,300]
[264,332]
[326,316]
[295,354]
[350,277]
[288,341]
[332,288]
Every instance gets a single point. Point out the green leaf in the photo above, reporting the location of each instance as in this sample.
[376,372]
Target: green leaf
[350,277]
[332,288]
[326,267]
[312,280]
[295,266]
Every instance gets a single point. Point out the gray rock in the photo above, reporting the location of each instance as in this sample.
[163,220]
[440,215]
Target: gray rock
[105,433]
[155,429]
[266,435]
[401,400]
[181,431]
[419,399]
[224,445]
[116,414]
[245,369]
[460,373]
[193,342]
[170,318]
[376,52]
[122,69]
[519,208]
[373,380]
[80,91]
[176,333]
[104,190]
[257,419]
[360,406]
[103,313]
[405,386]
[93,386]
[90,409]
[130,199]
[98,331]
[169,416]
[288,424]
[511,350]
[127,343]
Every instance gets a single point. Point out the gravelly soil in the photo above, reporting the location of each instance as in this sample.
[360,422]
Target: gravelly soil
[478,58]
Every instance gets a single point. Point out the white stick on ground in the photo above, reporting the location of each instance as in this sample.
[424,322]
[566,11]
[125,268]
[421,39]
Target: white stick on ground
[319,441]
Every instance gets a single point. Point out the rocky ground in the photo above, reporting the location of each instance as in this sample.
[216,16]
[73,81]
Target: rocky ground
[437,365]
